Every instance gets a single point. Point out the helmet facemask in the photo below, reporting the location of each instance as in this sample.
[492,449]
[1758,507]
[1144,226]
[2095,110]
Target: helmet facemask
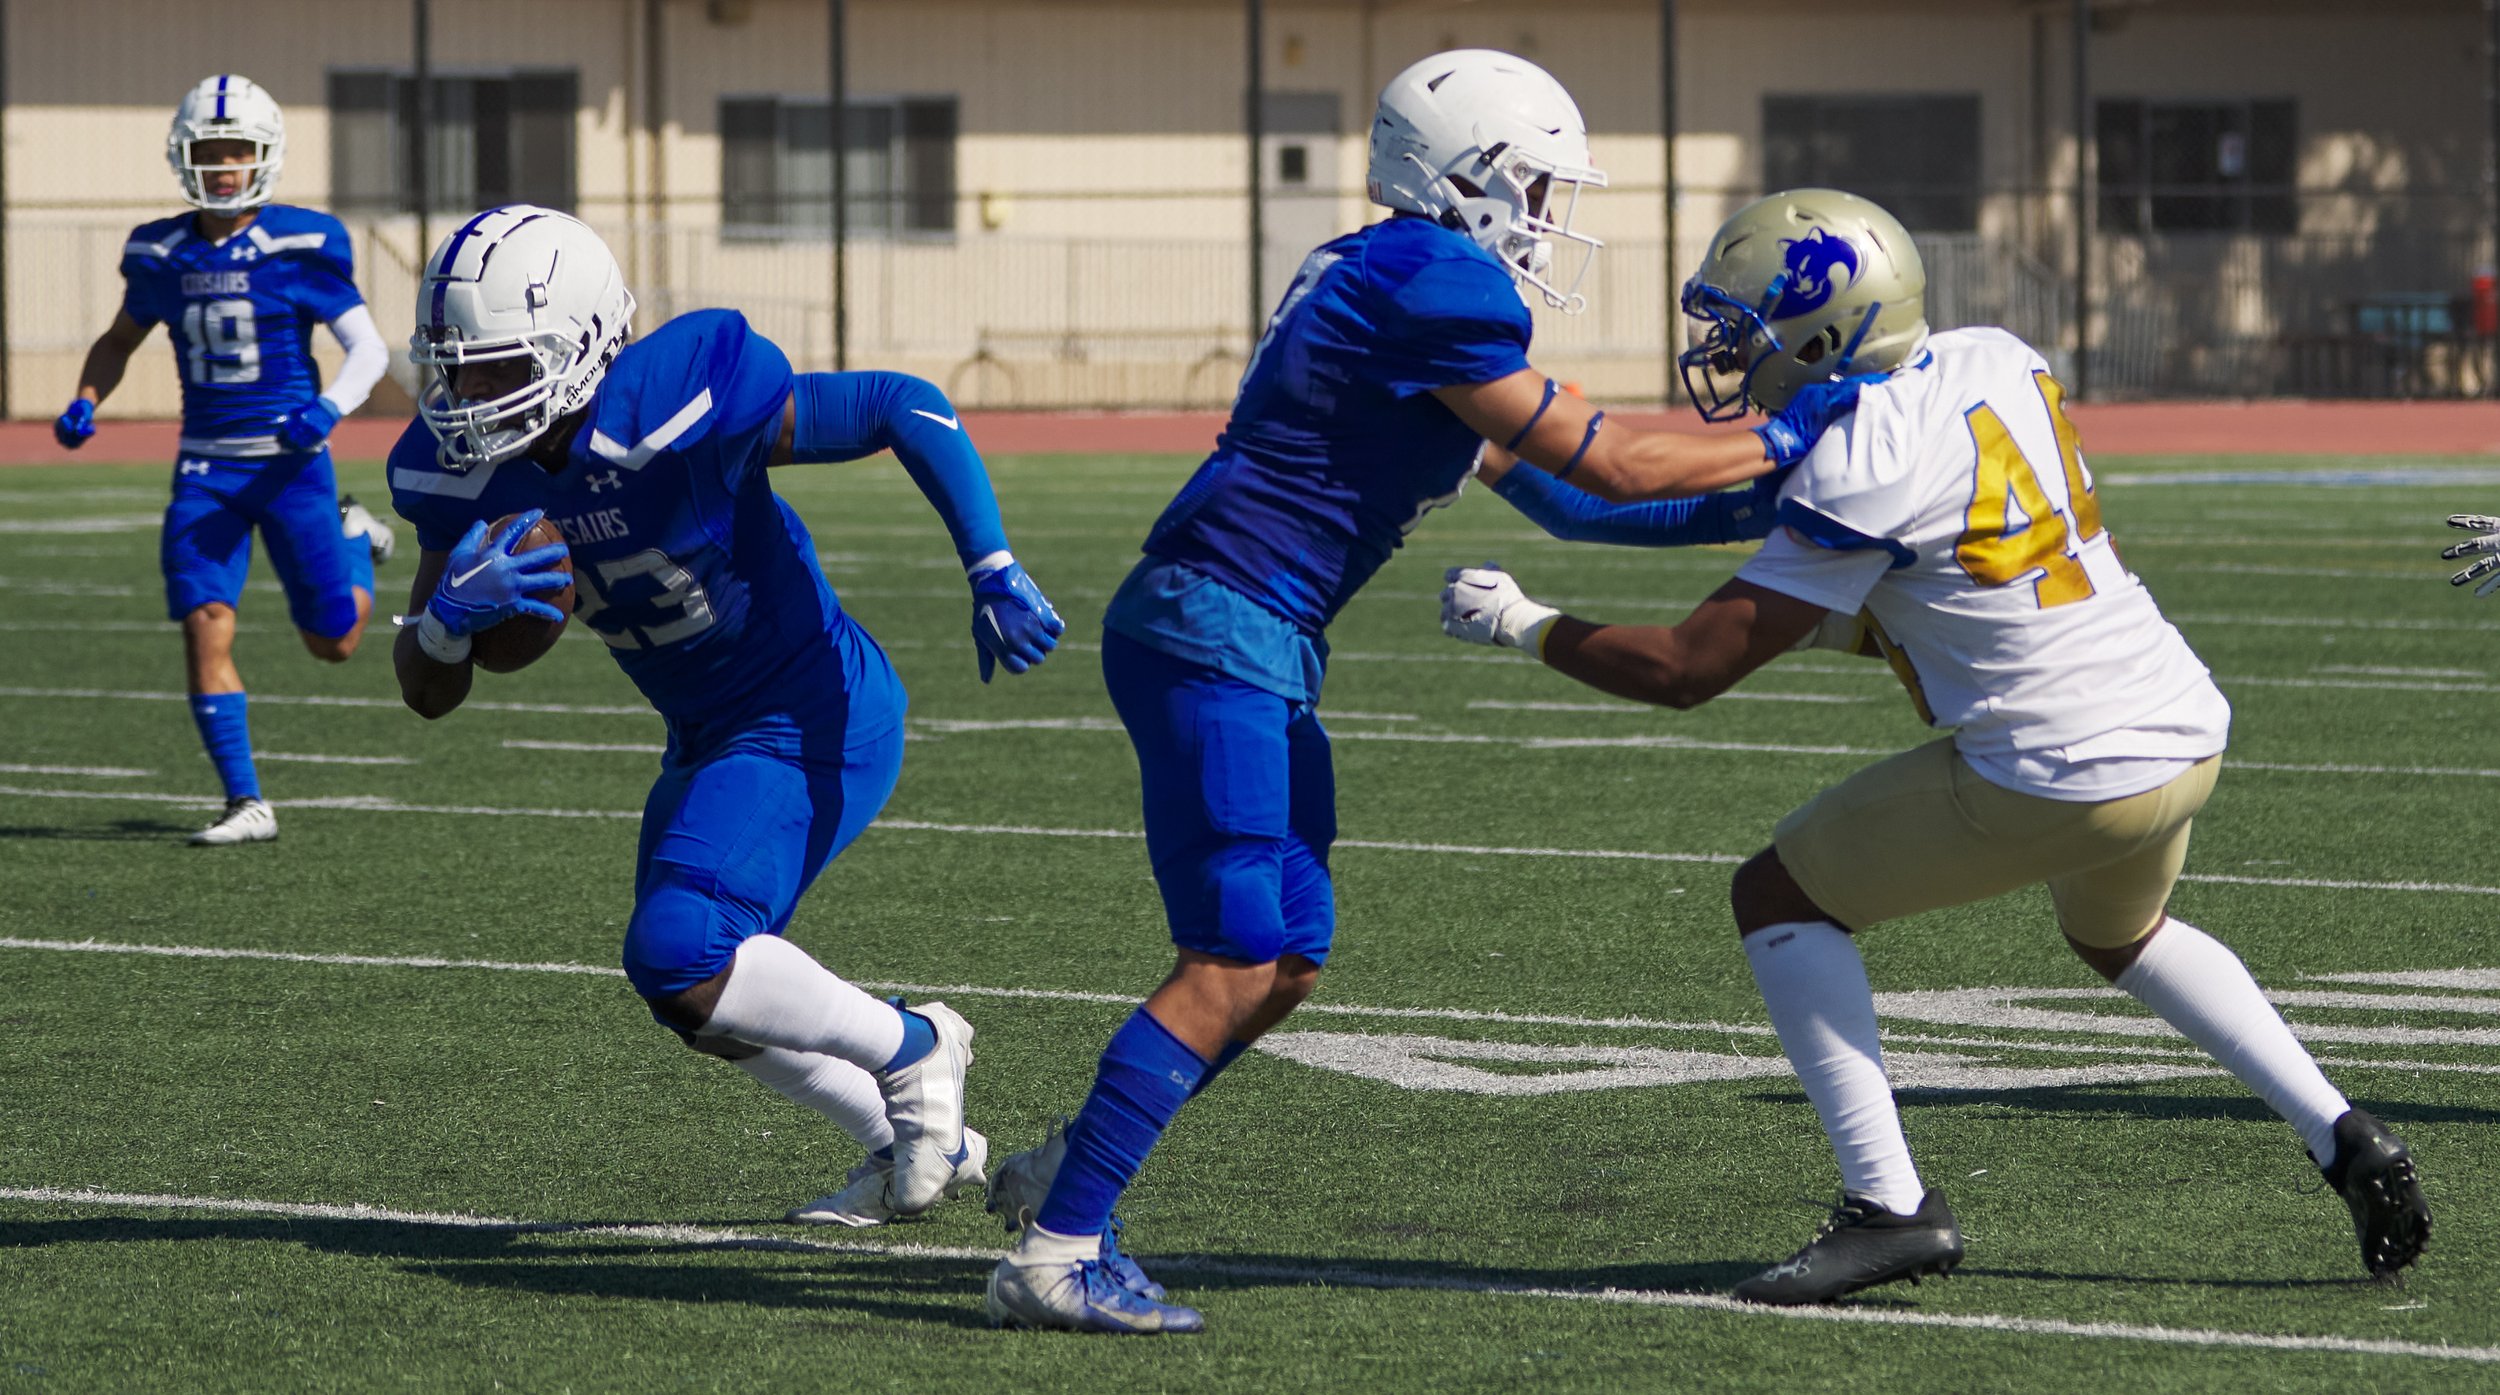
[563,375]
[260,172]
[1504,199]
[1736,361]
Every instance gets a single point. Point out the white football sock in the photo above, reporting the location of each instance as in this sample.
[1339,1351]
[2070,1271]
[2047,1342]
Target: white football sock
[778,996]
[2196,984]
[1815,985]
[835,1088]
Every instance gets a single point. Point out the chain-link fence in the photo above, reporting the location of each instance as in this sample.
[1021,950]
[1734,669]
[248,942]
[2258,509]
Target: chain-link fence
[2391,306]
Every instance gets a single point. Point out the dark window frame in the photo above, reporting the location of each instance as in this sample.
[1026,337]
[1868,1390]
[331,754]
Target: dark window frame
[771,190]
[524,143]
[2168,165]
[1918,154]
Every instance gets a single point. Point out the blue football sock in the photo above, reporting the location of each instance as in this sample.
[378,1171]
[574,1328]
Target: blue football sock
[919,1039]
[1231,1053]
[1146,1075]
[227,734]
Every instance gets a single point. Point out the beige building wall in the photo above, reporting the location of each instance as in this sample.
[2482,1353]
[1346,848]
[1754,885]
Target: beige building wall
[1098,253]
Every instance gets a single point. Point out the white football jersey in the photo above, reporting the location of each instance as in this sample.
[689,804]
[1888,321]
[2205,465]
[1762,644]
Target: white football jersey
[1954,511]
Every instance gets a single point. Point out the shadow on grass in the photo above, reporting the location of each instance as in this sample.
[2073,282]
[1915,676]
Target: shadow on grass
[906,1288]
[118,831]
[926,1290]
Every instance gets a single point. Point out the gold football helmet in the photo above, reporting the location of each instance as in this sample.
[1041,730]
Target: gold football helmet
[1797,288]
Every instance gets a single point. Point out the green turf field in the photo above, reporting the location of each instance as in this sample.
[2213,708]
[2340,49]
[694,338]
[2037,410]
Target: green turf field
[1532,1124]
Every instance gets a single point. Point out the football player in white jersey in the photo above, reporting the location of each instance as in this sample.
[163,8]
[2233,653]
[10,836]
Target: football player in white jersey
[1948,526]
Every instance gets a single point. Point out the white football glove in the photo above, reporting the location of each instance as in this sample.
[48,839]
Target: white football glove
[2484,549]
[1484,605]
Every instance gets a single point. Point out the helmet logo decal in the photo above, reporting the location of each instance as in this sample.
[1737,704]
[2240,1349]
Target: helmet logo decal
[1818,266]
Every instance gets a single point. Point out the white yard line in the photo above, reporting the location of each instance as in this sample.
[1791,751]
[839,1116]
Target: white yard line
[308,758]
[2181,1052]
[110,772]
[719,1237]
[376,804]
[94,523]
[568,709]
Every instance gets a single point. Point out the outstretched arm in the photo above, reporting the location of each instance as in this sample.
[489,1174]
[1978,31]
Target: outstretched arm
[1740,628]
[1556,431]
[1562,434]
[844,416]
[1575,515]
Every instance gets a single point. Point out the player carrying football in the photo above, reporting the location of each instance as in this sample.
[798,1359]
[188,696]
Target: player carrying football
[785,719]
[1948,525]
[238,285]
[1397,352]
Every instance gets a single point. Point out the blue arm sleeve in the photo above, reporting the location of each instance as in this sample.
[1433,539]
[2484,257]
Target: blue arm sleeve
[1574,515]
[843,416]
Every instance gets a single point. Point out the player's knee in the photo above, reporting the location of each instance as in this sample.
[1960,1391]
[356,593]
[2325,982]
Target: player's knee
[677,947]
[207,621]
[1296,979]
[2108,956]
[1763,894]
[687,1009]
[331,649]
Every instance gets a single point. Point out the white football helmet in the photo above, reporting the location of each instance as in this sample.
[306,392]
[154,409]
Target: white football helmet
[510,283]
[228,107]
[1481,142]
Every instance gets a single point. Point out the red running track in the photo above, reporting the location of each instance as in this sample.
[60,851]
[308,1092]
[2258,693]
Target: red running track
[2125,428]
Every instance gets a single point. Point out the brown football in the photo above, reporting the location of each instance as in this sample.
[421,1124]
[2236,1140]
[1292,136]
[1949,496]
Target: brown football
[524,639]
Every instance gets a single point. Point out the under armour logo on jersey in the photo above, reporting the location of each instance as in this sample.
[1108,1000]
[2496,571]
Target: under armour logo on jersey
[245,252]
[611,480]
[191,467]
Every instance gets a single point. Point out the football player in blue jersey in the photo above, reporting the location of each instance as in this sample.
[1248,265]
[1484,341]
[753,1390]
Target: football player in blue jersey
[238,285]
[1397,354]
[785,719]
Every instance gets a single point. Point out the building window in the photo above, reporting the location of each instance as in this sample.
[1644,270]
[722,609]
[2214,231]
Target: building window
[2197,166]
[1916,155]
[498,138]
[776,176]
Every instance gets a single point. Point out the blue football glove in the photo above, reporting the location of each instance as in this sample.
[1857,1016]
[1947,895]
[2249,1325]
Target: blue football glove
[75,425]
[485,583]
[1011,622]
[308,426]
[1792,430]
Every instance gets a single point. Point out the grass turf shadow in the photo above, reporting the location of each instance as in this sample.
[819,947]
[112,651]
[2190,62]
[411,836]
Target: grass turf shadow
[908,1288]
[118,831]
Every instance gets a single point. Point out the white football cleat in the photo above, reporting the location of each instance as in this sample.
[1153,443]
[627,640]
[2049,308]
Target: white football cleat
[1023,1183]
[862,1203]
[245,821]
[357,521]
[924,1101]
[1078,1296]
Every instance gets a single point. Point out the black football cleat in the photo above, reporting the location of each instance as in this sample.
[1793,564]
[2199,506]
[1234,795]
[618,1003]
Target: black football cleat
[2373,1172]
[1859,1246]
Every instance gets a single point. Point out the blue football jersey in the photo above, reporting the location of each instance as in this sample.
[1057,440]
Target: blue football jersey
[702,581]
[1336,446]
[241,313]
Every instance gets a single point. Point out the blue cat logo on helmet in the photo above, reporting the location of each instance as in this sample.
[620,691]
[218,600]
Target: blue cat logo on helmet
[1815,263]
